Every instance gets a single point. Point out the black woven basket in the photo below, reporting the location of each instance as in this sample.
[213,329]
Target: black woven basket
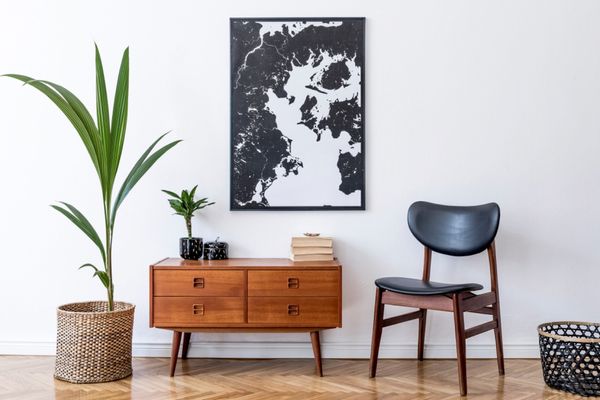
[570,353]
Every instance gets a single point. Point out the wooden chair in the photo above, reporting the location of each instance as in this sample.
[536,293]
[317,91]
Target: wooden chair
[454,231]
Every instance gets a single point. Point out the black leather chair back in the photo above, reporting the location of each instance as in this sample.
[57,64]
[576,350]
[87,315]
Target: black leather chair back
[454,230]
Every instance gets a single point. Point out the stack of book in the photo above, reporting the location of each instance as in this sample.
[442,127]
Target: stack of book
[312,248]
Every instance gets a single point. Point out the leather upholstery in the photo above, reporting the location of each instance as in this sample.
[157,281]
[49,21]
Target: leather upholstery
[420,287]
[454,230]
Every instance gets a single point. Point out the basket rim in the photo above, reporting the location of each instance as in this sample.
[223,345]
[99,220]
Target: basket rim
[128,307]
[568,338]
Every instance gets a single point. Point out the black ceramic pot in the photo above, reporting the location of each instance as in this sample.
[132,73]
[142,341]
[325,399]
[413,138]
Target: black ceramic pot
[215,250]
[190,248]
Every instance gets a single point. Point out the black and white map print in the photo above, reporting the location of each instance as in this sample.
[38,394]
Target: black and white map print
[297,113]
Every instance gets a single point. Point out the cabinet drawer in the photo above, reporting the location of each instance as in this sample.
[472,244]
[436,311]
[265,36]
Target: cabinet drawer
[198,283]
[294,311]
[293,283]
[189,311]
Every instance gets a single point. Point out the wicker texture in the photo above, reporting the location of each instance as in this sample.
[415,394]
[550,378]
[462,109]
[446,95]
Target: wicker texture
[93,345]
[570,354]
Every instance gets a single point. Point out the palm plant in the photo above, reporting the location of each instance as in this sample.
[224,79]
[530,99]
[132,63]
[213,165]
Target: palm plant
[186,206]
[103,141]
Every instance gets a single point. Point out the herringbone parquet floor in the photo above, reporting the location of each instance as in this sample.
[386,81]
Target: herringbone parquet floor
[30,378]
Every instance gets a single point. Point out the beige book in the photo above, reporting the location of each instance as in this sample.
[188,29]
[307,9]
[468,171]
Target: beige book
[312,257]
[312,250]
[314,241]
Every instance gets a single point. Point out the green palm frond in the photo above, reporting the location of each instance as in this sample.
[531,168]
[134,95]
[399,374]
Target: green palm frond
[103,140]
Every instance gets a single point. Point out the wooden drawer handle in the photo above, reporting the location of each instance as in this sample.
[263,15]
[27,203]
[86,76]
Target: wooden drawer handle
[293,309]
[198,283]
[293,283]
[198,309]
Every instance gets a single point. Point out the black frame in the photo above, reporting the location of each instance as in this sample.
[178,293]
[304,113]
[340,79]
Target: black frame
[362,207]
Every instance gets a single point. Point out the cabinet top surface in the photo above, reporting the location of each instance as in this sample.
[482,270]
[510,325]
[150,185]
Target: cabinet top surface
[245,262]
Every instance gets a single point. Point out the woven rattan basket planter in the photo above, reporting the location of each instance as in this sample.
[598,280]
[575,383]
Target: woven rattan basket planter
[570,353]
[93,345]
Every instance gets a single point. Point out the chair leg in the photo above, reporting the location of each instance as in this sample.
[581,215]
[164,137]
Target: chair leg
[461,350]
[377,329]
[498,334]
[496,308]
[422,323]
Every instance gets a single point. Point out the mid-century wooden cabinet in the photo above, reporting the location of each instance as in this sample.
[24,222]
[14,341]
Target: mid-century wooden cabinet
[245,295]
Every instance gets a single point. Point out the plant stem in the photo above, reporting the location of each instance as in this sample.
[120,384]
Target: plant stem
[108,266]
[188,225]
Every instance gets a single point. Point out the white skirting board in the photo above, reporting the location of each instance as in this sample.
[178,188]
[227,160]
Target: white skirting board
[291,350]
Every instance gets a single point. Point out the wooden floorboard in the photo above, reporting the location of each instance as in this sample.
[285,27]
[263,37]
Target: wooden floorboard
[30,378]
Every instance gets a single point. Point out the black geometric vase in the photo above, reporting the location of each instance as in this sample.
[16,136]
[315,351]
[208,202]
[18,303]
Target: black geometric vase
[215,250]
[190,248]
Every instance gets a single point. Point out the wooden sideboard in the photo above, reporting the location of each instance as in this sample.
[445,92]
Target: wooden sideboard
[245,295]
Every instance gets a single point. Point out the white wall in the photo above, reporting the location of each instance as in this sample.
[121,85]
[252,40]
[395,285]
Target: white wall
[467,102]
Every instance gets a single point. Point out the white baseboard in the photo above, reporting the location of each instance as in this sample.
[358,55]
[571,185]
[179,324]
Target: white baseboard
[291,350]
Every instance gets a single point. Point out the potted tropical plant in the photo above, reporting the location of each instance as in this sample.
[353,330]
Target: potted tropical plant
[190,248]
[94,338]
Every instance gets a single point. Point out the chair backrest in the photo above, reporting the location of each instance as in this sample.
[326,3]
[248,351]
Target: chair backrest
[454,230]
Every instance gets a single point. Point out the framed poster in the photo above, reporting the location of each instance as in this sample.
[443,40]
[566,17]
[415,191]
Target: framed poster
[297,113]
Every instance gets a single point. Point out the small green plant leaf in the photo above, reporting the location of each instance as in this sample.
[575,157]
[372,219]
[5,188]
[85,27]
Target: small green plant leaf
[185,197]
[103,276]
[177,205]
[119,115]
[68,111]
[90,266]
[81,111]
[101,99]
[172,194]
[139,169]
[200,204]
[103,118]
[77,218]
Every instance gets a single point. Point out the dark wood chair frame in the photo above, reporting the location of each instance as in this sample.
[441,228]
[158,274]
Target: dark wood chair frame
[457,303]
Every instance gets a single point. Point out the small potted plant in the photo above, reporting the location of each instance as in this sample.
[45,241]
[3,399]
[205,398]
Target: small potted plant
[190,248]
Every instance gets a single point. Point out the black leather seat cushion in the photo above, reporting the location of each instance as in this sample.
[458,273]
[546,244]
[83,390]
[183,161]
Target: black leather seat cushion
[420,287]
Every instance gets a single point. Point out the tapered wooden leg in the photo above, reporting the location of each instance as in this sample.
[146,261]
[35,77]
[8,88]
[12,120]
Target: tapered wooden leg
[316,345]
[377,329]
[175,351]
[499,345]
[422,323]
[186,344]
[496,307]
[461,349]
